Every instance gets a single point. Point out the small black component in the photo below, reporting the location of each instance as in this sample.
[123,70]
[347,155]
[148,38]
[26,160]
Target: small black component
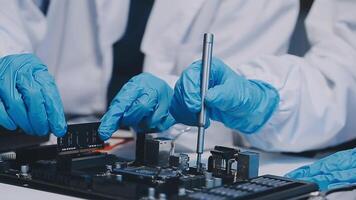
[194,170]
[80,137]
[46,171]
[11,140]
[4,166]
[179,161]
[192,181]
[221,161]
[109,186]
[148,174]
[140,148]
[157,151]
[265,187]
[247,165]
[32,154]
[87,160]
[121,164]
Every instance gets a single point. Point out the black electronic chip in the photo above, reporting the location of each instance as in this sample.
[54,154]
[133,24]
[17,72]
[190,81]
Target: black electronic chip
[80,137]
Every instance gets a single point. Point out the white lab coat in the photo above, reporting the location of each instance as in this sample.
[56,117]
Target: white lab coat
[318,91]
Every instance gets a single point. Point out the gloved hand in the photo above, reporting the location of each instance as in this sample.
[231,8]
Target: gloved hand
[240,104]
[29,97]
[336,170]
[142,103]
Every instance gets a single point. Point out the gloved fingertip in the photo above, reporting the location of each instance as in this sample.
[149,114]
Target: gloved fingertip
[105,129]
[60,131]
[168,122]
[297,173]
[5,120]
[42,131]
[28,131]
[104,134]
[9,125]
[338,185]
[289,175]
[104,137]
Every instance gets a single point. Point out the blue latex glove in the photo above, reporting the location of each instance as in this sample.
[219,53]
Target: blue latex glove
[29,97]
[240,104]
[336,170]
[142,103]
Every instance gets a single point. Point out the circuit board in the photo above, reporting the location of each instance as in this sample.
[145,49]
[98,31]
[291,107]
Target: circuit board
[75,167]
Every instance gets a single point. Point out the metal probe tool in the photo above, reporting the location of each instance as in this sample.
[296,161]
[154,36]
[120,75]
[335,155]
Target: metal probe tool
[204,86]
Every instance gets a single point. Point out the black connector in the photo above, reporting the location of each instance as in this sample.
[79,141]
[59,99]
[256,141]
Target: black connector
[80,137]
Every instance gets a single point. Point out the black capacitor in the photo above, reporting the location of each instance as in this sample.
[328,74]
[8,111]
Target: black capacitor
[179,161]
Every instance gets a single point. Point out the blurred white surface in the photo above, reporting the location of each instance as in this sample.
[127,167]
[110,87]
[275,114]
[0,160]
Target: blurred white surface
[10,192]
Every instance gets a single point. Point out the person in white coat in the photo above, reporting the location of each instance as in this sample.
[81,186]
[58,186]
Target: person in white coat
[75,40]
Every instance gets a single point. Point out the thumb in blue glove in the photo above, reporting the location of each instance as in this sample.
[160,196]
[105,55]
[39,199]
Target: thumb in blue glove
[29,97]
[336,170]
[240,104]
[142,103]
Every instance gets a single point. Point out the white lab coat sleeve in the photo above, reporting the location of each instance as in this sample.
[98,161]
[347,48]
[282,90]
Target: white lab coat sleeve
[239,36]
[317,105]
[22,25]
[170,79]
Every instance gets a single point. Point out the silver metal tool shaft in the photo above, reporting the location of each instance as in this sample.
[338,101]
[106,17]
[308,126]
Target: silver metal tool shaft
[204,85]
